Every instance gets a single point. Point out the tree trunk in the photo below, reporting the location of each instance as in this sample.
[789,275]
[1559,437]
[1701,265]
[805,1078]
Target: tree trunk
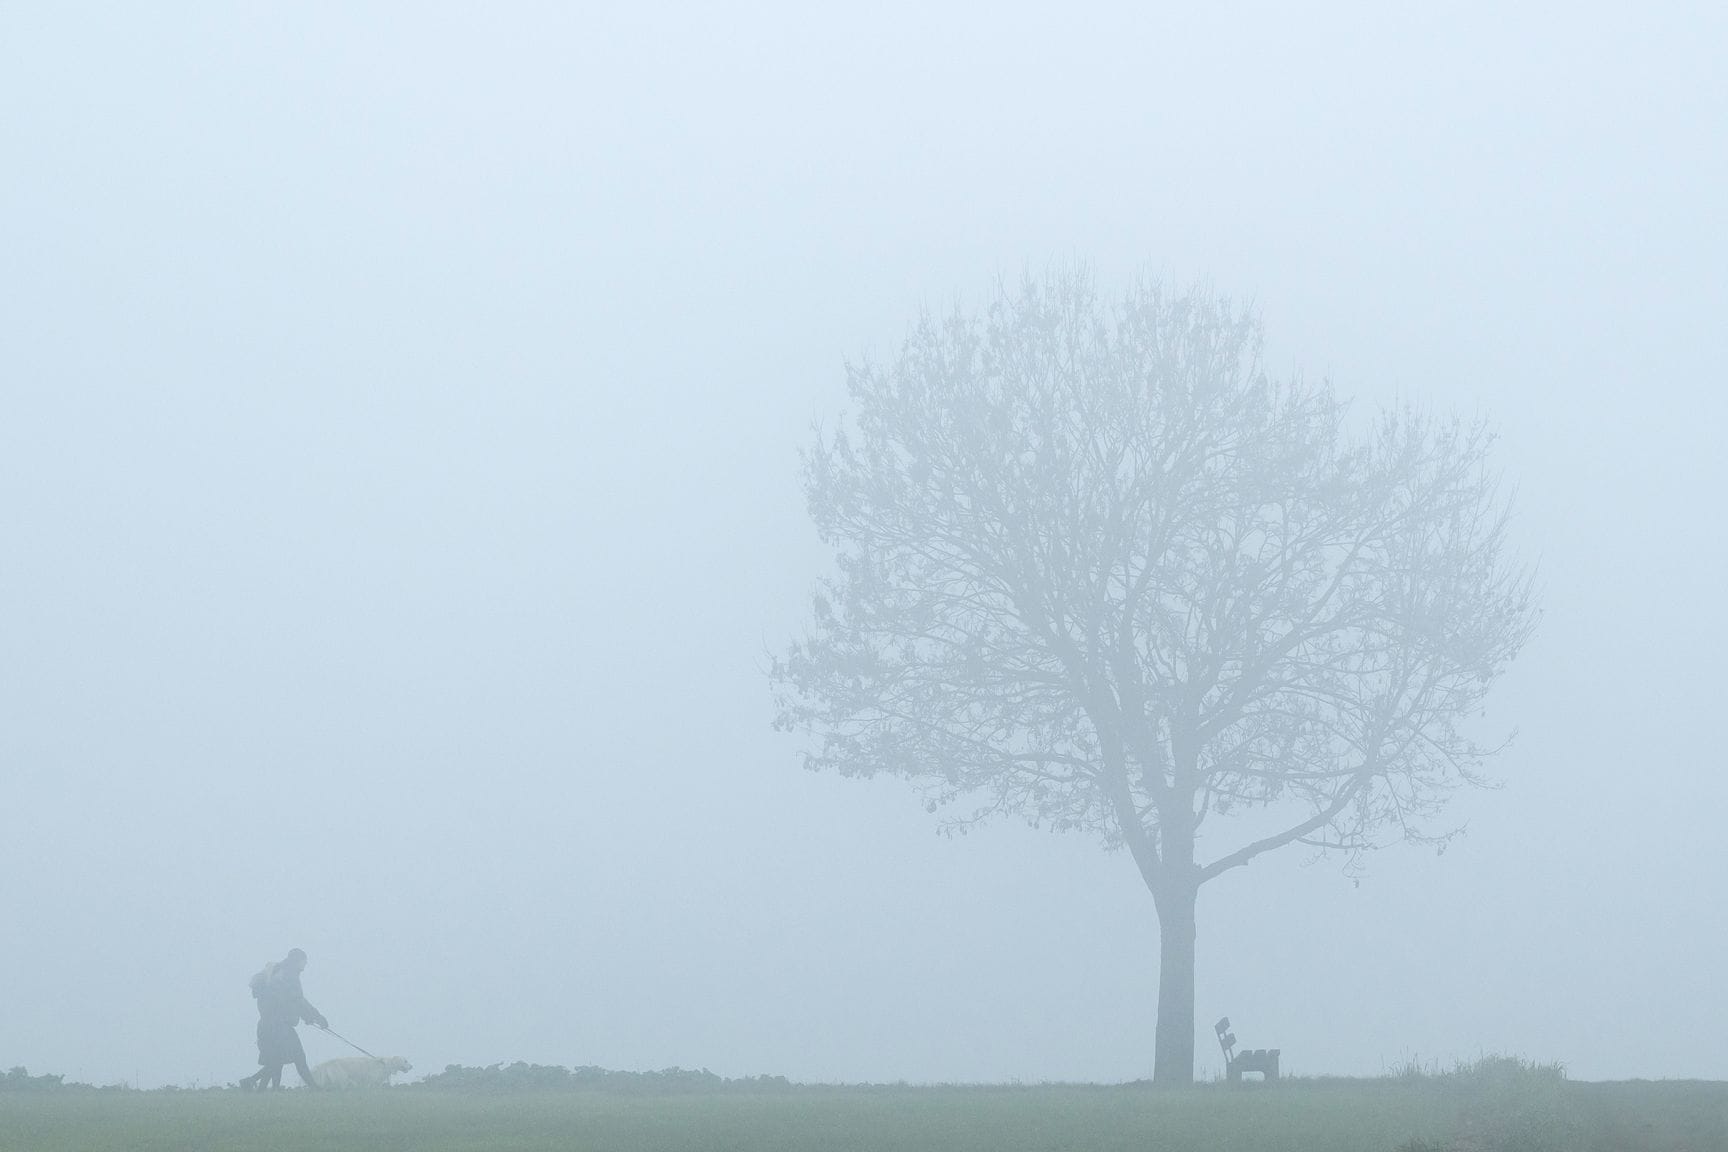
[1173,1062]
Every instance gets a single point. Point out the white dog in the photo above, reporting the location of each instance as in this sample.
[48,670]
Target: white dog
[358,1071]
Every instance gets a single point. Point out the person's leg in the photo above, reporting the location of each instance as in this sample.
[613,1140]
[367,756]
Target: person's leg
[292,1053]
[256,1080]
[275,1077]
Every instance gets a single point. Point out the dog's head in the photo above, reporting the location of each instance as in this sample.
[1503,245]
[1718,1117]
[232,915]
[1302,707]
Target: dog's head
[395,1064]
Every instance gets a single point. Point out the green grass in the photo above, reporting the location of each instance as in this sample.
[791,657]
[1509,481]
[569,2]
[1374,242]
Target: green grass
[1520,1114]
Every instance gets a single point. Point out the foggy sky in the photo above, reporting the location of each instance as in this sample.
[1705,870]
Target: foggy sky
[399,418]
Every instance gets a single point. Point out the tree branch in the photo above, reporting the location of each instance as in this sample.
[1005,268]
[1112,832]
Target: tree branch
[1319,820]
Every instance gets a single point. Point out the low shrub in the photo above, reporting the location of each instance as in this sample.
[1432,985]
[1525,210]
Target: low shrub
[20,1080]
[521,1076]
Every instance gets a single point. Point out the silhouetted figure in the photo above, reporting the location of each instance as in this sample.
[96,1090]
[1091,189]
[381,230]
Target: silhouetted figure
[282,1005]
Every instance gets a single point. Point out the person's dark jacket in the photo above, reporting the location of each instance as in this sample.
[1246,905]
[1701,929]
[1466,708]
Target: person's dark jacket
[281,1001]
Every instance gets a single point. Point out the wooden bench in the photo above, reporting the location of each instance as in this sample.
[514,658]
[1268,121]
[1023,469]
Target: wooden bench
[1261,1060]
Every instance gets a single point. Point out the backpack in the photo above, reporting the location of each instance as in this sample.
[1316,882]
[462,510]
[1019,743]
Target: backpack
[261,979]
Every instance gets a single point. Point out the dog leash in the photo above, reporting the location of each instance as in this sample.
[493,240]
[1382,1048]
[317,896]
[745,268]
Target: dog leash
[344,1039]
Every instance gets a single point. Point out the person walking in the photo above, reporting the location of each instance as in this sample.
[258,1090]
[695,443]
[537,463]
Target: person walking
[281,1005]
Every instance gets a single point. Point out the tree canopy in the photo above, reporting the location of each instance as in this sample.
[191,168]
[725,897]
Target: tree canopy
[1098,569]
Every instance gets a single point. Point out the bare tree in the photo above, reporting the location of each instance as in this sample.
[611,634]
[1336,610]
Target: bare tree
[1096,569]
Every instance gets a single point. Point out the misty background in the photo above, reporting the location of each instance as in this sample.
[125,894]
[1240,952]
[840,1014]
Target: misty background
[399,422]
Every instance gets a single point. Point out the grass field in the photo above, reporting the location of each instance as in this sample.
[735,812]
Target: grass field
[1295,1116]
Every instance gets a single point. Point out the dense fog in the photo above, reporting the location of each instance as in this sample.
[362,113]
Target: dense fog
[400,417]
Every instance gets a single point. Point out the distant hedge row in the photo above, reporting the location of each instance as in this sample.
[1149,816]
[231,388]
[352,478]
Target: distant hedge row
[519,1076]
[19,1080]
